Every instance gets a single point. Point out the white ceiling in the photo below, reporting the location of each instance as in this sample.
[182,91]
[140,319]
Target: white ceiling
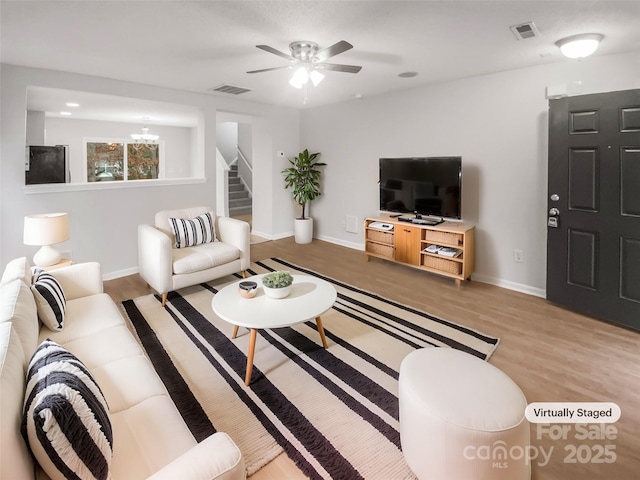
[109,108]
[198,45]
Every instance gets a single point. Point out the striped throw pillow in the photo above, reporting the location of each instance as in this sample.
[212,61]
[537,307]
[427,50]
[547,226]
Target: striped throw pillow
[50,299]
[66,420]
[195,231]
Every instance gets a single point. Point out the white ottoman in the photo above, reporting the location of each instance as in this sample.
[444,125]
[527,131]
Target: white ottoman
[461,418]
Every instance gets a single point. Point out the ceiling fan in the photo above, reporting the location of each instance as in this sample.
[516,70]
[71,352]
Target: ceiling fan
[310,60]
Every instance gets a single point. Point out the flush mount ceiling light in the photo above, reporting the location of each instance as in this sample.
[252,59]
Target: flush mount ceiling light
[579,46]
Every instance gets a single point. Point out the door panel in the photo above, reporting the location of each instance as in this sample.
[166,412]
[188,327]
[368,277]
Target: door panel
[584,179]
[630,119]
[584,122]
[593,238]
[582,248]
[630,275]
[629,175]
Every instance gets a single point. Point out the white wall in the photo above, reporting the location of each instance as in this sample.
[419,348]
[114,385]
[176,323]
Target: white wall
[498,123]
[176,142]
[104,222]
[227,140]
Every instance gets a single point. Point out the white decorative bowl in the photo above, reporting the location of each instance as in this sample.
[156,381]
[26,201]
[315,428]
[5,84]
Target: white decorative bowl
[277,292]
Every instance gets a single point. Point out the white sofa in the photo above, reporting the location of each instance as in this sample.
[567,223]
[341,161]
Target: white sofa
[166,268]
[150,438]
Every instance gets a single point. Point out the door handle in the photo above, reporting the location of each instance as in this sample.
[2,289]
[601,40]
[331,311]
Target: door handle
[554,212]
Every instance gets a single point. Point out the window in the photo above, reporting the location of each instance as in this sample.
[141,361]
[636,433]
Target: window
[121,160]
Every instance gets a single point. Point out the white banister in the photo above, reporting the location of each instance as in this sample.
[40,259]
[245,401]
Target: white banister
[244,159]
[222,185]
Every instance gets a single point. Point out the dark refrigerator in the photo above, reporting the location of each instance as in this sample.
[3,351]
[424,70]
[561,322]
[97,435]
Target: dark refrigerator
[47,165]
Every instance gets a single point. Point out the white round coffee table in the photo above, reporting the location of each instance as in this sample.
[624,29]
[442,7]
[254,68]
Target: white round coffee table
[310,297]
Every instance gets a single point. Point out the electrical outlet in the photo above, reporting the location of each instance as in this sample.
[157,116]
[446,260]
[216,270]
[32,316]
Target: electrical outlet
[518,256]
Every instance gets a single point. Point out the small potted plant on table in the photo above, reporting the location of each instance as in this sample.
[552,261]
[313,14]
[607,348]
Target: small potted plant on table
[277,284]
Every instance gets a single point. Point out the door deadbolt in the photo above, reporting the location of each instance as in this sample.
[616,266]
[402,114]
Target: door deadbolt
[555,197]
[552,220]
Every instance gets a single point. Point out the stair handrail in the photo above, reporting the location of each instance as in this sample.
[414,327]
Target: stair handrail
[222,185]
[244,159]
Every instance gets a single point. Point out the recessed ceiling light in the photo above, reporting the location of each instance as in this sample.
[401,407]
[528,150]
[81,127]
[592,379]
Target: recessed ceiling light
[357,96]
[408,74]
[72,104]
[65,113]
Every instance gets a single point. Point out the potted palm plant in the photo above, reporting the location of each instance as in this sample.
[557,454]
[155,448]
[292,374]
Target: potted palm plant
[303,176]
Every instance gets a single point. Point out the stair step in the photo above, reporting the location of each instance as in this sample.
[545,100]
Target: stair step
[235,211]
[239,202]
[240,194]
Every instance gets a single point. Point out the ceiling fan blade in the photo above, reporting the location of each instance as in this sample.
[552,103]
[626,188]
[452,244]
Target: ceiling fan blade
[341,68]
[333,50]
[269,49]
[268,69]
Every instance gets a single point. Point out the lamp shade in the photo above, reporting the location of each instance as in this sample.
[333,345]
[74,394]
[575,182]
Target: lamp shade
[46,229]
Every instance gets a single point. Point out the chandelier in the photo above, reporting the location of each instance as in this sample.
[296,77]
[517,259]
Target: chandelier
[145,136]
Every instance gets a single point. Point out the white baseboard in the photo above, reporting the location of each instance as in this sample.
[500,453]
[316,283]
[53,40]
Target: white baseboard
[268,236]
[120,273]
[344,243]
[518,287]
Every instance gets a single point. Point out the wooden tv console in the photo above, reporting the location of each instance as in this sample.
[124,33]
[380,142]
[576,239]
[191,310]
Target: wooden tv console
[407,243]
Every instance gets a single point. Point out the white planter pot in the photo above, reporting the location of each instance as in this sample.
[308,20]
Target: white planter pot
[277,292]
[303,230]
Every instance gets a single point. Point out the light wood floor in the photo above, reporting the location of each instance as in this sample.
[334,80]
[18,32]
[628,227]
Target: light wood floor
[553,355]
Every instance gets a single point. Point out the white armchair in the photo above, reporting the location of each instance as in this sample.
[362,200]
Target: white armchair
[167,268]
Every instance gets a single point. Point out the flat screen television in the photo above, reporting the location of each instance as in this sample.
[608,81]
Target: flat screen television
[430,186]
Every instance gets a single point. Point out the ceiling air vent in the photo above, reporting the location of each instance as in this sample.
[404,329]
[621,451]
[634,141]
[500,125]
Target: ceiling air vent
[525,30]
[231,89]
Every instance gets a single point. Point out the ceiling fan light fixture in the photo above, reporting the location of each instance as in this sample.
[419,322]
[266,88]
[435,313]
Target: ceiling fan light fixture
[579,46]
[316,77]
[300,77]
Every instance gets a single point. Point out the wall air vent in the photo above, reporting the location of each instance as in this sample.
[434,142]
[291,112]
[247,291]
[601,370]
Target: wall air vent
[525,30]
[231,89]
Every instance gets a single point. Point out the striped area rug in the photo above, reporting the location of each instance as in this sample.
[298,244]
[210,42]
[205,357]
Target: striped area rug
[334,412]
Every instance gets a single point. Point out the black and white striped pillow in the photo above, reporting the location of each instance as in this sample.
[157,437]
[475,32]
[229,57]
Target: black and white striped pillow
[195,231]
[66,419]
[50,299]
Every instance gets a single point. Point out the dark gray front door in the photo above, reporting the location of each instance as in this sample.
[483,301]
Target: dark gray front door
[593,232]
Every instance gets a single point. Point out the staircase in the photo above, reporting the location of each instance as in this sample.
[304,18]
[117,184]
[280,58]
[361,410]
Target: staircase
[239,199]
